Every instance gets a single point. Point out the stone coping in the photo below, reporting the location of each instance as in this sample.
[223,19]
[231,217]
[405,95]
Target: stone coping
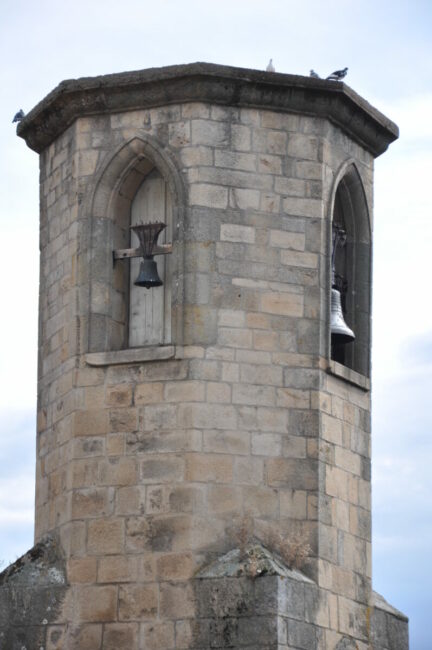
[255,560]
[380,602]
[206,82]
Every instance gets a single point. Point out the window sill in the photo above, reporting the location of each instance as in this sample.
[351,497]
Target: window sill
[131,355]
[351,376]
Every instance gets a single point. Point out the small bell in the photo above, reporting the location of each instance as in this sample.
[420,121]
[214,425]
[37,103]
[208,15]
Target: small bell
[340,332]
[148,276]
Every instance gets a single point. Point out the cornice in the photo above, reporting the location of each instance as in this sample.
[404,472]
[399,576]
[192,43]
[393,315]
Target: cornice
[206,82]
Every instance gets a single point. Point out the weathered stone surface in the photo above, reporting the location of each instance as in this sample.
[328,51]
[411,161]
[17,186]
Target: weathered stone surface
[32,592]
[389,627]
[198,82]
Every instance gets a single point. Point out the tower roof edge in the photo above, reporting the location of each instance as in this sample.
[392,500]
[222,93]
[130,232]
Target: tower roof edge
[206,82]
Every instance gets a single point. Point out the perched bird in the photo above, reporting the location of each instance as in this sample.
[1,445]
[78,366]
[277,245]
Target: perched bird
[18,116]
[314,74]
[270,67]
[337,75]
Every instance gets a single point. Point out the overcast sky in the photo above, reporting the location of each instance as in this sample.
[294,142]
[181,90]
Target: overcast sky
[388,49]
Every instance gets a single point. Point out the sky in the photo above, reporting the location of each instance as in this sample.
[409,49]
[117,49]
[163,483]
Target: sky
[387,47]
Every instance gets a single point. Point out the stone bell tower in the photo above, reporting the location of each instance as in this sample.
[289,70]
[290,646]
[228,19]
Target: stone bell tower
[203,449]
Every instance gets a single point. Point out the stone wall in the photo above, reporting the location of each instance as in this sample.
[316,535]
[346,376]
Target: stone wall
[153,461]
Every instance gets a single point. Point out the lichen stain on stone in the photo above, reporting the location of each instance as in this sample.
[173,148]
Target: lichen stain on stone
[32,590]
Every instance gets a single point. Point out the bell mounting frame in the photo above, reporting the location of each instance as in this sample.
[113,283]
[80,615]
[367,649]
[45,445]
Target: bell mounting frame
[147,234]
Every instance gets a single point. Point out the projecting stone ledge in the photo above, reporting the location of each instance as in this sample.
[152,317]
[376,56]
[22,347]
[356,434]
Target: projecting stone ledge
[206,82]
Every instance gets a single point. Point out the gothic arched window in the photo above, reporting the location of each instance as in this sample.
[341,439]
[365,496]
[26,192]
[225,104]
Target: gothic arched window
[353,270]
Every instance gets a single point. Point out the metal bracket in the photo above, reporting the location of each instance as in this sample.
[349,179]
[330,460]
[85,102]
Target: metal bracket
[124,253]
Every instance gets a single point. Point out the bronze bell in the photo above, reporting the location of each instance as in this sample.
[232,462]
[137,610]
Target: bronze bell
[340,332]
[148,276]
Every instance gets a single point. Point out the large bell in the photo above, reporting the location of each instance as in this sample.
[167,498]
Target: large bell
[148,276]
[340,332]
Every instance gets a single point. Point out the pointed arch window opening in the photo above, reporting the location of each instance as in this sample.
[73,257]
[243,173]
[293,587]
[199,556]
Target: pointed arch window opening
[352,272]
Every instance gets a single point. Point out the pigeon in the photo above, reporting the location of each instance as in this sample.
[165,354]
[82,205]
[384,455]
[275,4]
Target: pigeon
[18,116]
[270,67]
[337,75]
[314,74]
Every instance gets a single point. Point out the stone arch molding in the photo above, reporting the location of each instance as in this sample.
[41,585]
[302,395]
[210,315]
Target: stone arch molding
[349,178]
[108,209]
[349,202]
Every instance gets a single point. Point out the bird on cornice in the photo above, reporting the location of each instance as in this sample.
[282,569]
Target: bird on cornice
[337,75]
[18,116]
[270,67]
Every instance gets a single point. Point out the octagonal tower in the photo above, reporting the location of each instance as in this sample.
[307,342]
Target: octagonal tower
[203,456]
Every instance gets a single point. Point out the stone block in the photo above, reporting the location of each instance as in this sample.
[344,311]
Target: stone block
[184,391]
[261,374]
[192,634]
[209,468]
[207,132]
[218,392]
[235,160]
[158,636]
[284,304]
[223,499]
[212,196]
[266,444]
[226,442]
[137,602]
[293,503]
[96,604]
[260,501]
[300,207]
[249,471]
[162,469]
[302,635]
[82,569]
[118,471]
[175,567]
[245,199]
[117,568]
[158,417]
[105,536]
[253,395]
[83,637]
[179,134]
[272,419]
[119,395]
[195,156]
[123,420]
[90,423]
[285,239]
[207,416]
[91,502]
[240,137]
[177,601]
[298,474]
[120,635]
[235,233]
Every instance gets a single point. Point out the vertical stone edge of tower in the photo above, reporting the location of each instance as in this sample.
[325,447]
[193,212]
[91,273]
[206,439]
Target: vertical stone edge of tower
[210,486]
